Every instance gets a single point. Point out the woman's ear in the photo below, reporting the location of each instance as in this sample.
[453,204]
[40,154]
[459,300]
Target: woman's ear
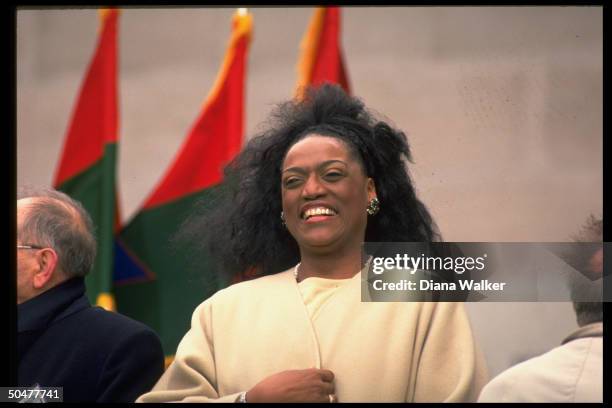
[371,188]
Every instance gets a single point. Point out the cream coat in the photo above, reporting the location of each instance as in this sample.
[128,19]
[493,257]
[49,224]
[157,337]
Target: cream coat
[572,372]
[396,351]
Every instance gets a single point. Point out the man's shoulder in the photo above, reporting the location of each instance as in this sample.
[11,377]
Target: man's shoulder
[508,386]
[116,319]
[550,376]
[100,320]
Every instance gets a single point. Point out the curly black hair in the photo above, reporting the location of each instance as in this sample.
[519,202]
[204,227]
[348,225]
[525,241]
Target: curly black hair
[241,226]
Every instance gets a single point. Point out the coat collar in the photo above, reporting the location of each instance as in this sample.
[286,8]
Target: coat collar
[58,302]
[589,330]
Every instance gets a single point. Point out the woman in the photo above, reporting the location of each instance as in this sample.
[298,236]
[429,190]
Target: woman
[302,198]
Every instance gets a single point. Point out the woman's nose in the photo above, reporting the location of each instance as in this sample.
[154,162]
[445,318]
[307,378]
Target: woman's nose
[313,188]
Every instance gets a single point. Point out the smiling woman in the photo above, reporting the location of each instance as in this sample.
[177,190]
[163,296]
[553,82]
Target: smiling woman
[297,205]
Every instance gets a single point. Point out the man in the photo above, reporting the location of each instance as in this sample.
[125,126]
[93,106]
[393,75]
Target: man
[572,372]
[63,341]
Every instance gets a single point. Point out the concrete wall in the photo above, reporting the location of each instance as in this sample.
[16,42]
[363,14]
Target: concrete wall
[502,106]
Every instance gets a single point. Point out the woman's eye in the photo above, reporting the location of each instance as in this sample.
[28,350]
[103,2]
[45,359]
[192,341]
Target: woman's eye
[333,175]
[292,182]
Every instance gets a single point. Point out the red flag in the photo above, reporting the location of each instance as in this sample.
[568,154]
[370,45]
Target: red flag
[95,117]
[321,57]
[216,136]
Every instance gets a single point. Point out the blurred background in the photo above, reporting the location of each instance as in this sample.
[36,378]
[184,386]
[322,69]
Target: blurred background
[502,107]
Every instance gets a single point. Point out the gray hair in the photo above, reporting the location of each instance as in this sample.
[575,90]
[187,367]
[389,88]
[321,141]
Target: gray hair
[586,283]
[57,221]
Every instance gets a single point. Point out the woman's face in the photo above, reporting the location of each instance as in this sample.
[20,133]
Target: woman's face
[325,193]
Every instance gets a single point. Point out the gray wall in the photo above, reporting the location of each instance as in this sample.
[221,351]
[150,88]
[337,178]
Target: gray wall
[502,106]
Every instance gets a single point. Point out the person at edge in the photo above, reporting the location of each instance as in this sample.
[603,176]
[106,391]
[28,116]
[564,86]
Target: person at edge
[62,341]
[573,371]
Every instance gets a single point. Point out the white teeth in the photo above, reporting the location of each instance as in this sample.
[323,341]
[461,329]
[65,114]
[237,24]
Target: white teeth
[318,211]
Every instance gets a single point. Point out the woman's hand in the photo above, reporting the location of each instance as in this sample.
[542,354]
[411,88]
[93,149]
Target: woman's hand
[309,385]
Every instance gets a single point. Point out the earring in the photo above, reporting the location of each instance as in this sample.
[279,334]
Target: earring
[282,217]
[373,207]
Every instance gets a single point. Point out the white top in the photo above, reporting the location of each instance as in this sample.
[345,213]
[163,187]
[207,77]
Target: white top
[317,291]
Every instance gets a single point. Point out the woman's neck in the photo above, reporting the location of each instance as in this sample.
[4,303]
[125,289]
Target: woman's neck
[331,266]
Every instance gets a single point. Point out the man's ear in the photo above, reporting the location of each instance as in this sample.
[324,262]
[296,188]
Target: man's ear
[47,264]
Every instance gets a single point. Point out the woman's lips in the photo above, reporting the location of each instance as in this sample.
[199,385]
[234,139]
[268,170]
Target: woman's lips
[313,211]
[318,218]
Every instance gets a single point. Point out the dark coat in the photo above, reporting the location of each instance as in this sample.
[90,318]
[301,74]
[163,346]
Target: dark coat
[95,355]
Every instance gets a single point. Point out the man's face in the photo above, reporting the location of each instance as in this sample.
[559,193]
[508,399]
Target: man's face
[27,263]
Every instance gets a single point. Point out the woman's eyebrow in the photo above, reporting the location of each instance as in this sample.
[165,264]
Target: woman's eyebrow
[295,170]
[301,170]
[328,162]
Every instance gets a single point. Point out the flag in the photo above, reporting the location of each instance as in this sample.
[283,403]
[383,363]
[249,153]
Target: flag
[154,281]
[87,166]
[321,57]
